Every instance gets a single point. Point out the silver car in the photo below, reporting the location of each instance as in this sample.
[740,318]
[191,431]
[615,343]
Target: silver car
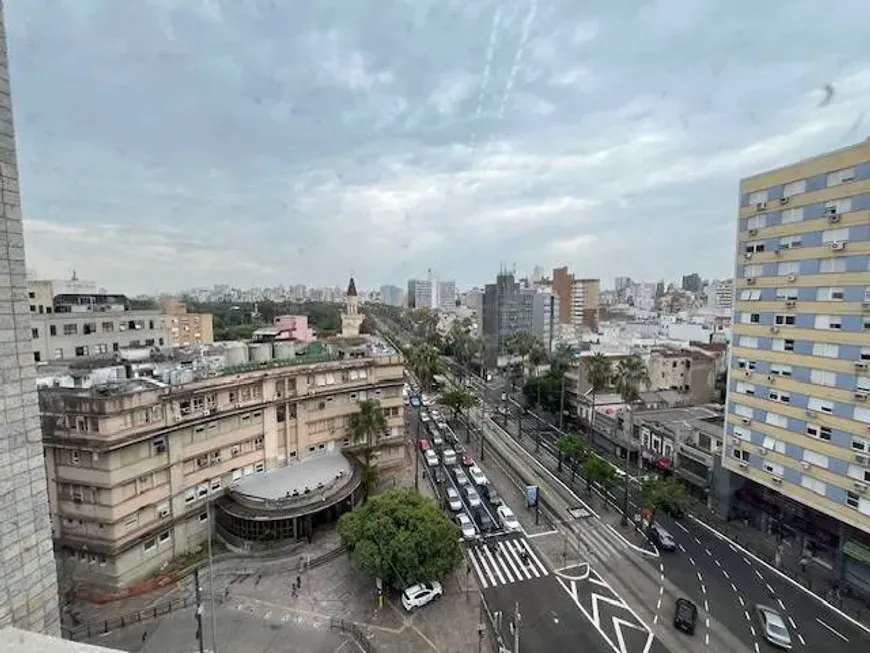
[453,500]
[472,497]
[773,627]
[466,526]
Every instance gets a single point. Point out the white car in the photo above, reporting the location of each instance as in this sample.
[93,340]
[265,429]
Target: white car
[453,500]
[431,458]
[477,475]
[425,417]
[448,457]
[472,497]
[461,478]
[508,519]
[466,526]
[420,594]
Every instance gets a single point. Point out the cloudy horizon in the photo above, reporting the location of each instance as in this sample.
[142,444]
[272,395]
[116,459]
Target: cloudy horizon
[172,144]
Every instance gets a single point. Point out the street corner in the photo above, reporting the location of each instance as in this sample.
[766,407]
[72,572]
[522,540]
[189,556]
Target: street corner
[608,612]
[452,622]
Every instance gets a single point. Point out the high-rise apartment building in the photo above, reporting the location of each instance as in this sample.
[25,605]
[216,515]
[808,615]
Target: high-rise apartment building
[28,577]
[579,299]
[720,294]
[692,282]
[799,388]
[391,295]
[445,295]
[421,293]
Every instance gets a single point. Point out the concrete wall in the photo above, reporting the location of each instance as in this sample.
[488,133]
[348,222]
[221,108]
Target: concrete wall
[28,580]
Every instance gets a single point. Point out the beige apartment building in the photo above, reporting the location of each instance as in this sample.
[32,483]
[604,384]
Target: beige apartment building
[579,299]
[185,328]
[133,465]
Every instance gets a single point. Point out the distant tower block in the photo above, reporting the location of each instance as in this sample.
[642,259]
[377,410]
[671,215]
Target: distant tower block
[351,319]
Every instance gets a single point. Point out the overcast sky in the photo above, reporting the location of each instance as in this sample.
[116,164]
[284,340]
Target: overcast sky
[166,144]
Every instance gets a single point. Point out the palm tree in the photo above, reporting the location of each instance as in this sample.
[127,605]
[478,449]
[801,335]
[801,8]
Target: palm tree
[521,344]
[631,375]
[560,359]
[366,426]
[537,356]
[599,374]
[424,361]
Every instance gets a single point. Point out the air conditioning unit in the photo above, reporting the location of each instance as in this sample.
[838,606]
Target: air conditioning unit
[744,465]
[747,373]
[861,365]
[750,281]
[860,487]
[746,420]
[774,329]
[206,412]
[762,451]
[771,378]
[805,464]
[747,255]
[837,246]
[792,277]
[860,395]
[760,206]
[833,218]
[863,460]
[790,303]
[753,232]
[784,200]
[777,480]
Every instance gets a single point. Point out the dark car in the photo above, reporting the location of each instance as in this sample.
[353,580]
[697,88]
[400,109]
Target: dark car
[484,521]
[661,538]
[490,494]
[685,616]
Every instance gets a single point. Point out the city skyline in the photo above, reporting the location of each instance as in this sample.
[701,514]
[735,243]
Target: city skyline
[558,147]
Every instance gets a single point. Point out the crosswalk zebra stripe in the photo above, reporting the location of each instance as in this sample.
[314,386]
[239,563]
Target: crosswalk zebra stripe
[538,563]
[599,544]
[501,563]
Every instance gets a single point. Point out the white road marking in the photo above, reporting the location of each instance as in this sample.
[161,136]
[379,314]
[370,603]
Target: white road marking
[655,620]
[746,560]
[691,561]
[682,548]
[725,573]
[480,575]
[700,577]
[659,604]
[756,648]
[734,587]
[801,638]
[781,604]
[752,630]
[685,530]
[742,603]
[708,552]
[662,567]
[732,547]
[838,634]
[707,639]
[555,531]
[706,606]
[745,612]
[770,589]
[703,588]
[793,624]
[758,573]
[661,589]
[718,564]
[697,541]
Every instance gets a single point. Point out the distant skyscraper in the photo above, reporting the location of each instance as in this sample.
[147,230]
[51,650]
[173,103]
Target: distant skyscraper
[28,576]
[391,295]
[420,293]
[692,282]
[446,295]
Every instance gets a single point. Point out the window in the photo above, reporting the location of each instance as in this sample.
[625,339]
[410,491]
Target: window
[788,267]
[830,294]
[757,222]
[774,469]
[865,323]
[777,420]
[817,459]
[162,510]
[772,444]
[202,490]
[813,484]
[843,205]
[58,354]
[826,350]
[835,235]
[758,197]
[259,467]
[743,411]
[794,188]
[149,545]
[840,176]
[741,455]
[190,495]
[215,484]
[750,318]
[108,327]
[742,433]
[865,353]
[780,344]
[828,322]
[780,396]
[780,369]
[790,242]
[82,350]
[749,341]
[52,330]
[744,388]
[861,415]
[860,444]
[820,405]
[818,431]
[832,265]
[823,377]
[750,295]
[70,329]
[158,446]
[784,320]
[787,293]
[790,216]
[862,384]
[755,246]
[750,271]
[745,364]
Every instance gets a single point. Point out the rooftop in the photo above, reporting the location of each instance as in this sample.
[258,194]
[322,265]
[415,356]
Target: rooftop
[707,418]
[319,474]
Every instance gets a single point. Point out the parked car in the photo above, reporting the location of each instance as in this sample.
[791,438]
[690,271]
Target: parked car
[477,475]
[661,538]
[773,626]
[453,500]
[448,457]
[685,615]
[460,477]
[472,497]
[420,594]
[437,440]
[431,458]
[466,526]
[508,519]
[489,493]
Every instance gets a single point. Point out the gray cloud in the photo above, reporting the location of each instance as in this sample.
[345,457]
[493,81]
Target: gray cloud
[180,142]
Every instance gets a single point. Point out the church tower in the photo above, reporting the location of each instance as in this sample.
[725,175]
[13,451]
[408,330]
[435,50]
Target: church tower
[351,319]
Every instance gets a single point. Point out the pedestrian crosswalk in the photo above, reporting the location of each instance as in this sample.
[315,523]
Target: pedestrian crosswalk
[599,542]
[505,561]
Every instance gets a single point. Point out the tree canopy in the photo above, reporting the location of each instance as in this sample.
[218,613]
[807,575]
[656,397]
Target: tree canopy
[402,538]
[238,320]
[662,494]
[459,399]
[366,426]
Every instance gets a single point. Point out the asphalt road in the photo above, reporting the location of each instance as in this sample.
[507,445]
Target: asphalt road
[723,582]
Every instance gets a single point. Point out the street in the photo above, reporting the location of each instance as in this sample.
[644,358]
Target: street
[725,583]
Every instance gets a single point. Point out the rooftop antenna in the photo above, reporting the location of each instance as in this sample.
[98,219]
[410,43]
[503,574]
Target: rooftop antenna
[74,276]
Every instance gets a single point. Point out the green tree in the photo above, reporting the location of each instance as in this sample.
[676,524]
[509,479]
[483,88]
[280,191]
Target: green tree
[561,359]
[402,538]
[599,373]
[596,469]
[572,449]
[425,363]
[520,345]
[662,494]
[630,376]
[366,426]
[458,400]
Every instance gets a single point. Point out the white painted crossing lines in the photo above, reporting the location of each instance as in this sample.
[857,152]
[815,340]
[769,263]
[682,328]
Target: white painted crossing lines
[599,542]
[503,562]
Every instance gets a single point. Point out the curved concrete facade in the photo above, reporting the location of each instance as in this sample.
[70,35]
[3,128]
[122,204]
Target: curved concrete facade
[28,576]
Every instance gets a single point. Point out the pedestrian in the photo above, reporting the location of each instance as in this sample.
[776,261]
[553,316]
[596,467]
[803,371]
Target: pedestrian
[144,636]
[299,582]
[803,564]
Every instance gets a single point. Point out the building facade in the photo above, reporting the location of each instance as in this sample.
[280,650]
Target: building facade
[446,299]
[391,295]
[133,464]
[185,328]
[720,294]
[798,409]
[421,293]
[585,303]
[28,576]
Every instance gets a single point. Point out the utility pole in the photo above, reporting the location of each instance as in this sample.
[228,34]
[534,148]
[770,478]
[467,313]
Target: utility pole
[562,406]
[627,470]
[198,614]
[212,526]
[519,423]
[517,619]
